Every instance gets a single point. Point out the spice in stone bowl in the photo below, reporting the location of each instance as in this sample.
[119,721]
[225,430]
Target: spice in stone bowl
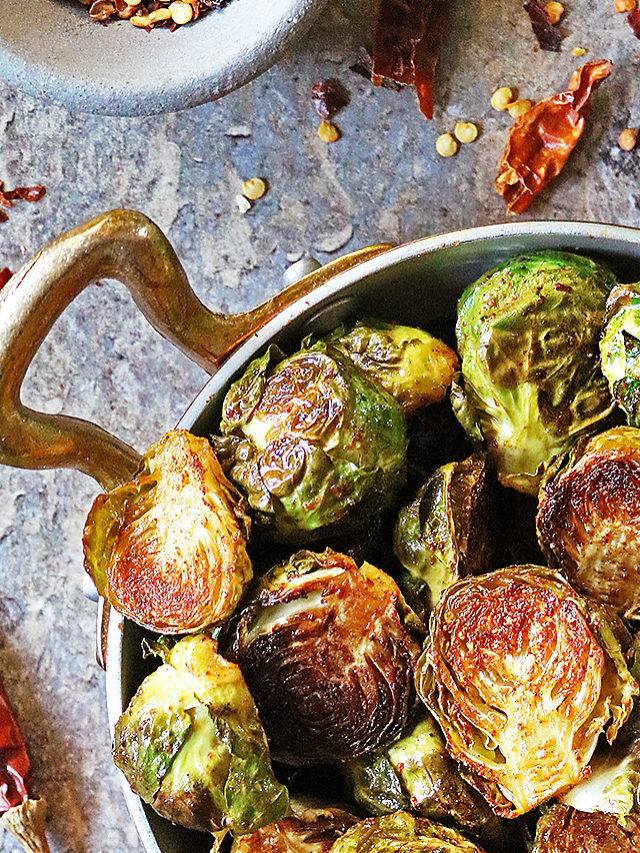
[149,14]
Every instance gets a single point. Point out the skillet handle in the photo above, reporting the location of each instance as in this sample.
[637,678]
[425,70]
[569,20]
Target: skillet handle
[127,246]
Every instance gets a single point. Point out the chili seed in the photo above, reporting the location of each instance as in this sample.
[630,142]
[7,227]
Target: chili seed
[519,107]
[181,13]
[501,98]
[628,138]
[328,132]
[579,51]
[554,10]
[466,131]
[254,188]
[446,145]
[626,5]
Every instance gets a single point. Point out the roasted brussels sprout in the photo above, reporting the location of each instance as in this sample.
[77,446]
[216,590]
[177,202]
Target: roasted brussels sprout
[448,530]
[589,518]
[400,832]
[417,773]
[307,831]
[327,650]
[565,830]
[312,442]
[191,744]
[168,549]
[412,365]
[530,382]
[620,349]
[523,676]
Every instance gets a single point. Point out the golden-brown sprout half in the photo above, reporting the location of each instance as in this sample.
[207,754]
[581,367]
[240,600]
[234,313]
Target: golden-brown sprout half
[327,650]
[589,519]
[306,831]
[523,676]
[168,548]
[564,830]
[403,833]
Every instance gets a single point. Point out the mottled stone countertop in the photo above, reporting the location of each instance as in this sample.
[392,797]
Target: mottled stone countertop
[381,181]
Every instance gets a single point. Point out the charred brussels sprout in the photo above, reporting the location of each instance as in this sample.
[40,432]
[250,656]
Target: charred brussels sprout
[412,365]
[589,519]
[530,382]
[400,832]
[312,442]
[523,676]
[308,831]
[565,830]
[620,349]
[327,650]
[168,548]
[191,744]
[417,773]
[448,530]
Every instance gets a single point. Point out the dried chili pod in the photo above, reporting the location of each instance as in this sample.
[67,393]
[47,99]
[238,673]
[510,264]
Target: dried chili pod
[542,139]
[20,814]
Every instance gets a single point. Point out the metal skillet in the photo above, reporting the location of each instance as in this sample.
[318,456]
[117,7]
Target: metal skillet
[418,283]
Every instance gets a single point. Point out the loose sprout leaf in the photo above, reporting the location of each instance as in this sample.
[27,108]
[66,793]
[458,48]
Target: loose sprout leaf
[407,44]
[588,519]
[327,650]
[542,139]
[565,830]
[168,549]
[620,349]
[314,444]
[306,831]
[192,746]
[409,363]
[403,832]
[26,823]
[523,676]
[530,381]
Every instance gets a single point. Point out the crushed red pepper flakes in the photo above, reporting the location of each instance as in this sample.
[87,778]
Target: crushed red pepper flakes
[329,97]
[548,34]
[542,139]
[5,275]
[363,66]
[633,19]
[7,197]
[408,37]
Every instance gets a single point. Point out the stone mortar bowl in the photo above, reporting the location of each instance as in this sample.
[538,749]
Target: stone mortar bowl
[418,283]
[53,48]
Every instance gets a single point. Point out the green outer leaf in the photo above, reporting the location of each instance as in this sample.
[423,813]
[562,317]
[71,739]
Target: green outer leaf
[375,785]
[403,832]
[528,337]
[620,349]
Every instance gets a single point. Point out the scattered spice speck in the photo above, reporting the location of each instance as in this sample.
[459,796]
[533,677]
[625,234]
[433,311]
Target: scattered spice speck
[446,145]
[7,197]
[329,97]
[554,10]
[5,275]
[328,132]
[254,188]
[243,203]
[579,51]
[628,138]
[633,19]
[626,5]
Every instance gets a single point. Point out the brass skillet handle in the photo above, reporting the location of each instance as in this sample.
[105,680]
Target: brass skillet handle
[127,246]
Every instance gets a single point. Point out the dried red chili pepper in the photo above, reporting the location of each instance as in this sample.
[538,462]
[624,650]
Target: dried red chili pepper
[548,34]
[7,197]
[542,139]
[633,19]
[21,815]
[408,37]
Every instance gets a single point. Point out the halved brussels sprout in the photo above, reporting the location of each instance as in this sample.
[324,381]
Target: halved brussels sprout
[409,363]
[589,518]
[191,744]
[620,349]
[566,830]
[448,530]
[530,382]
[614,783]
[168,548]
[307,831]
[417,773]
[327,650]
[312,442]
[400,832]
[523,676]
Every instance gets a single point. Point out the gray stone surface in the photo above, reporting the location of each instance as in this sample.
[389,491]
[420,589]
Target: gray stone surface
[381,181]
